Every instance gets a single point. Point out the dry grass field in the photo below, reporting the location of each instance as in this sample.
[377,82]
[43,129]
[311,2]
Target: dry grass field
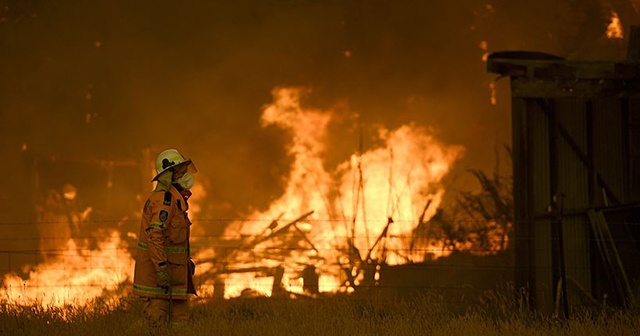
[330,316]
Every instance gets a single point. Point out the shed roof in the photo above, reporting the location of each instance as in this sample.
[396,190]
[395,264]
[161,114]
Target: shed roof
[538,65]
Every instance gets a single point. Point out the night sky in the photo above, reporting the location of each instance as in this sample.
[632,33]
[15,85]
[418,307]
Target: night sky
[105,79]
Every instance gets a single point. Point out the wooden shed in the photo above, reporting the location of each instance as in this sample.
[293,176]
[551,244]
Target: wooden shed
[576,168]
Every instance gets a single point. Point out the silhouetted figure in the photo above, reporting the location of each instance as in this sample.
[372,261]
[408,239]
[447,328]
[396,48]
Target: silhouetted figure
[53,226]
[60,220]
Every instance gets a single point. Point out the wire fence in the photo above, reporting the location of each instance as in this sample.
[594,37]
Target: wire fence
[314,220]
[481,269]
[80,258]
[14,259]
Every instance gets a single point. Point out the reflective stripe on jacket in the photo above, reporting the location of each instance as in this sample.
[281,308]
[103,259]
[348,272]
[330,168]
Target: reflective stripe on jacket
[164,239]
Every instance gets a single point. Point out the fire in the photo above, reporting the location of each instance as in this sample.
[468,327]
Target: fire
[492,89]
[323,229]
[334,220]
[614,29]
[79,274]
[75,278]
[484,46]
[398,179]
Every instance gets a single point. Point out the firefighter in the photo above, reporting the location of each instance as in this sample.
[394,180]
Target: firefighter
[164,271]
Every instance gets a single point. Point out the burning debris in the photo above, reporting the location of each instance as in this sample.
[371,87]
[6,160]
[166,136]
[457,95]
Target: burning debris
[335,222]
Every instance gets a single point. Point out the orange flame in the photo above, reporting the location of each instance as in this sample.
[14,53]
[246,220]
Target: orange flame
[492,89]
[484,46]
[614,29]
[74,278]
[369,204]
[80,275]
[352,203]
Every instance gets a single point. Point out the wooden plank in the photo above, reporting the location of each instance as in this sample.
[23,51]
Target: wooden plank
[610,256]
[583,89]
[633,49]
[562,69]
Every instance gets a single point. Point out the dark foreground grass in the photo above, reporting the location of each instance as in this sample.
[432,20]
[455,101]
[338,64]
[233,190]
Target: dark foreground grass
[331,316]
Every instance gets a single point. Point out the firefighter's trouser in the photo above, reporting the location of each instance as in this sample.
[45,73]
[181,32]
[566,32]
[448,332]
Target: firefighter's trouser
[156,312]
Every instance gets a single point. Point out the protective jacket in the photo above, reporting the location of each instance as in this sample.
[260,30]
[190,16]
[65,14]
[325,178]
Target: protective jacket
[164,242]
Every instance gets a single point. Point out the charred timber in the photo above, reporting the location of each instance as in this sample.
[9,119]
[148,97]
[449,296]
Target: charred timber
[279,231]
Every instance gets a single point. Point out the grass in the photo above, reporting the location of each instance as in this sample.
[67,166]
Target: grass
[329,316]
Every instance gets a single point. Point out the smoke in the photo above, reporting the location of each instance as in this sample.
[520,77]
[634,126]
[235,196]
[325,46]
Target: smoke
[106,79]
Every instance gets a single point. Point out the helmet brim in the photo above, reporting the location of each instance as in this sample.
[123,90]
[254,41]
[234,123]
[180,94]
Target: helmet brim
[191,168]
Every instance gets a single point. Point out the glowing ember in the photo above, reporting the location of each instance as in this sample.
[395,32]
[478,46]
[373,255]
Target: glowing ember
[74,278]
[614,29]
[484,46]
[492,89]
[331,220]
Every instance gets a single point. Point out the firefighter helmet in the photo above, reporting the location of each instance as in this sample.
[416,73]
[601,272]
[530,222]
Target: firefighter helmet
[171,158]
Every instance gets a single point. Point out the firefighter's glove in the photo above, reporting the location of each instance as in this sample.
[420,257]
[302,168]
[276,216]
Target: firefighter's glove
[163,279]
